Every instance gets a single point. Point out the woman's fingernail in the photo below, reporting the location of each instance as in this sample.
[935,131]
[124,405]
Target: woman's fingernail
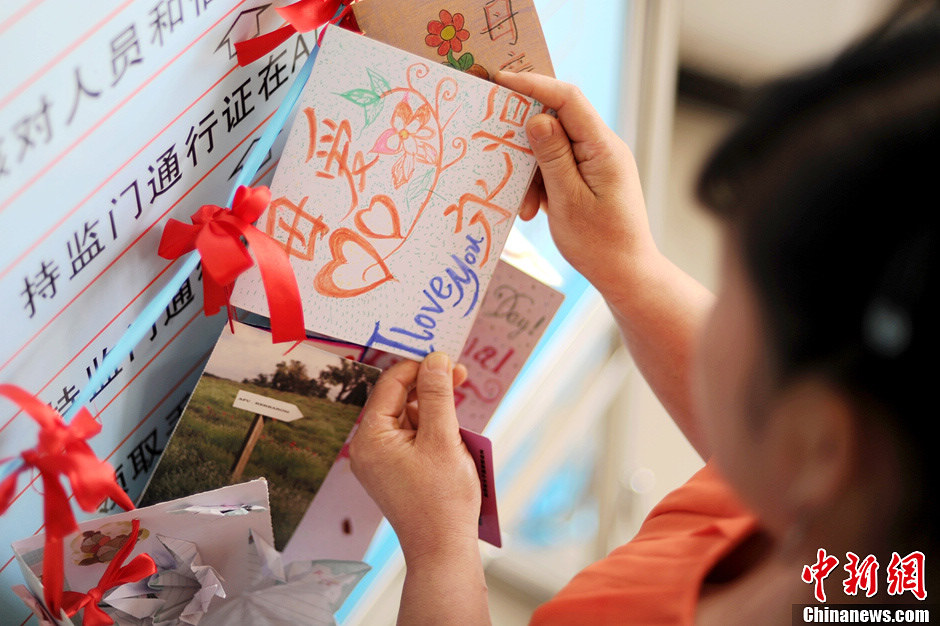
[540,129]
[437,362]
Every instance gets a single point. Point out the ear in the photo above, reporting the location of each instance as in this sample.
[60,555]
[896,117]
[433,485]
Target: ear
[810,437]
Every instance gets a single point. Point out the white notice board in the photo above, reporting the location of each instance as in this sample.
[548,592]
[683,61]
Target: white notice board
[114,116]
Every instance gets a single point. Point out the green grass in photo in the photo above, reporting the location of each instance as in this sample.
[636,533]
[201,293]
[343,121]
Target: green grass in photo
[294,457]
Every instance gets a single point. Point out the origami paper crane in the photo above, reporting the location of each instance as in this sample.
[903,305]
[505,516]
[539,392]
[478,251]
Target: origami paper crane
[302,592]
[179,593]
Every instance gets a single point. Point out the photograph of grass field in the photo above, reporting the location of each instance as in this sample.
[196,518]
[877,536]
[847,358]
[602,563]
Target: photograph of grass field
[294,457]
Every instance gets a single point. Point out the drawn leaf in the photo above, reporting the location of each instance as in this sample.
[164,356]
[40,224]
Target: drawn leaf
[362,97]
[465,62]
[373,110]
[419,187]
[379,84]
[403,169]
[425,153]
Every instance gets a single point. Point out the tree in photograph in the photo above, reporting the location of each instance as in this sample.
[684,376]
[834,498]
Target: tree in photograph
[261,380]
[290,376]
[353,381]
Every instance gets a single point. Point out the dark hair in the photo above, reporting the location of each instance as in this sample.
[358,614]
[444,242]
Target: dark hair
[831,187]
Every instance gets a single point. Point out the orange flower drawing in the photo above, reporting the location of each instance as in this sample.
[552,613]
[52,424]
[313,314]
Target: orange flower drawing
[409,135]
[448,34]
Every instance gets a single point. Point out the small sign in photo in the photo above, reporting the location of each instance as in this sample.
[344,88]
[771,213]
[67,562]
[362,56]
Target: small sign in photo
[263,410]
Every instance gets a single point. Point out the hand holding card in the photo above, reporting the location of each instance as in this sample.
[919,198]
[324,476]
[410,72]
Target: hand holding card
[408,454]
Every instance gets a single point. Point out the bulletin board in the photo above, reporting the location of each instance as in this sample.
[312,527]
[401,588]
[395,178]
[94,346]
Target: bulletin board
[114,116]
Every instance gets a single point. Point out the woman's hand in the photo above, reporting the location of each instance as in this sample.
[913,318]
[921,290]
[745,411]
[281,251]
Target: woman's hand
[597,217]
[587,183]
[409,456]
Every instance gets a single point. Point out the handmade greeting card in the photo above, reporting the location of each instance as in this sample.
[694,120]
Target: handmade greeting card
[394,196]
[480,38]
[514,314]
[263,410]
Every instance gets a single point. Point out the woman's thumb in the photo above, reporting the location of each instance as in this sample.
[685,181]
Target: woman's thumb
[437,416]
[552,150]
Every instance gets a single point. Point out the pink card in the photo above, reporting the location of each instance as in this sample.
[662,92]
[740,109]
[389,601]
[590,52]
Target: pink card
[514,314]
[481,449]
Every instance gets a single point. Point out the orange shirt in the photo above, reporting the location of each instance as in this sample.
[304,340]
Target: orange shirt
[656,578]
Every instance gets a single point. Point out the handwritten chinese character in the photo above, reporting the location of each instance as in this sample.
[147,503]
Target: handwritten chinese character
[335,140]
[818,572]
[517,63]
[302,229]
[500,20]
[515,111]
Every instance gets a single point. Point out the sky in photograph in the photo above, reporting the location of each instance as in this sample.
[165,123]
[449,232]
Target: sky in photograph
[250,352]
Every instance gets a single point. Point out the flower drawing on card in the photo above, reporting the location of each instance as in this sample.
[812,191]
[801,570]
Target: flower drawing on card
[409,137]
[395,194]
[448,35]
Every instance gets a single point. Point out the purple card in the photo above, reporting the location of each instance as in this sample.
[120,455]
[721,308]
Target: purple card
[481,449]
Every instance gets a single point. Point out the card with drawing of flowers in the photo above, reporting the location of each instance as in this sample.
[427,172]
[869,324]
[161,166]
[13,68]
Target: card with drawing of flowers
[394,196]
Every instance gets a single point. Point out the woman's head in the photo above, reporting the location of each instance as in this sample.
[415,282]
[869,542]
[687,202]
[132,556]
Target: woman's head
[830,193]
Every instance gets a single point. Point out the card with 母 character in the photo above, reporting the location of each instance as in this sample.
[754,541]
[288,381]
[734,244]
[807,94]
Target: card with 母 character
[394,196]
[480,38]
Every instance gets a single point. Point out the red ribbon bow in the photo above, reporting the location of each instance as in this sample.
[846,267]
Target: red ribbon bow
[62,449]
[116,574]
[216,232]
[302,16]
